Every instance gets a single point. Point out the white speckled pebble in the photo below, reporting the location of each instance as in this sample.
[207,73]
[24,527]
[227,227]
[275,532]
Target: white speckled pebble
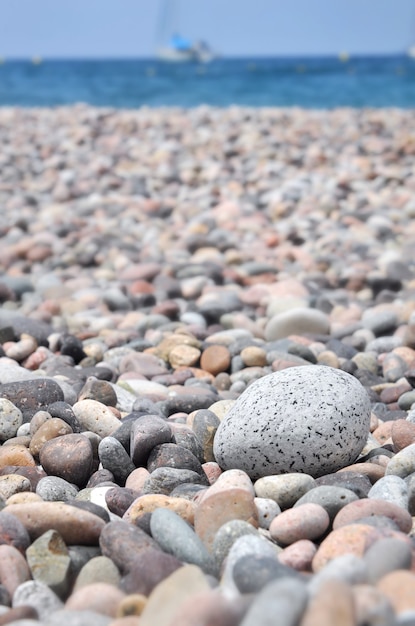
[313,419]
[267,509]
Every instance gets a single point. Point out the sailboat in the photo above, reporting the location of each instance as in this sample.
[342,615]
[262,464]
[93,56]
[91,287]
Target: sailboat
[174,48]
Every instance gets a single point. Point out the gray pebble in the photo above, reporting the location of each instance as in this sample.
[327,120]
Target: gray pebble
[53,488]
[330,498]
[348,567]
[252,572]
[39,596]
[285,597]
[385,556]
[384,344]
[114,457]
[165,479]
[147,432]
[227,535]
[353,481]
[392,489]
[380,322]
[176,537]
[246,545]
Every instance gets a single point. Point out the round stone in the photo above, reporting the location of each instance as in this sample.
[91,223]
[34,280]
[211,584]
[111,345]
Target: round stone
[312,419]
[215,359]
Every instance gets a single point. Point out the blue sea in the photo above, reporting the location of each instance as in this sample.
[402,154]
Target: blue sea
[325,82]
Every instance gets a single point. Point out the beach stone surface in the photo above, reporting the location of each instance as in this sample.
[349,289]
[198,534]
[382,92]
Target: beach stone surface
[300,419]
[158,268]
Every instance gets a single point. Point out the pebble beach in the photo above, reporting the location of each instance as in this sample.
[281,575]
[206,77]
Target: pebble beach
[207,367]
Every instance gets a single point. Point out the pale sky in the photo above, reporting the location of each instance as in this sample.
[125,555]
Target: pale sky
[128,28]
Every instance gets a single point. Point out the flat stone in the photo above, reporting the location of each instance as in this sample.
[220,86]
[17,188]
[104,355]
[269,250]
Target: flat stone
[282,424]
[297,322]
[75,526]
[352,539]
[31,395]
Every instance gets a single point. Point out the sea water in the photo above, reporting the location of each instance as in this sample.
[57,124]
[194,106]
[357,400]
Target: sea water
[326,82]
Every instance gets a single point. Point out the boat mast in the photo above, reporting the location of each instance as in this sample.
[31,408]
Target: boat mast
[167,23]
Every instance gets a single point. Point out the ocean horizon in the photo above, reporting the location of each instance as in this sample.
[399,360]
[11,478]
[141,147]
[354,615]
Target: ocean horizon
[314,82]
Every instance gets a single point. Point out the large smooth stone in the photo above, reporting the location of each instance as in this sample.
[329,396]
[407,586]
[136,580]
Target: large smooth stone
[312,419]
